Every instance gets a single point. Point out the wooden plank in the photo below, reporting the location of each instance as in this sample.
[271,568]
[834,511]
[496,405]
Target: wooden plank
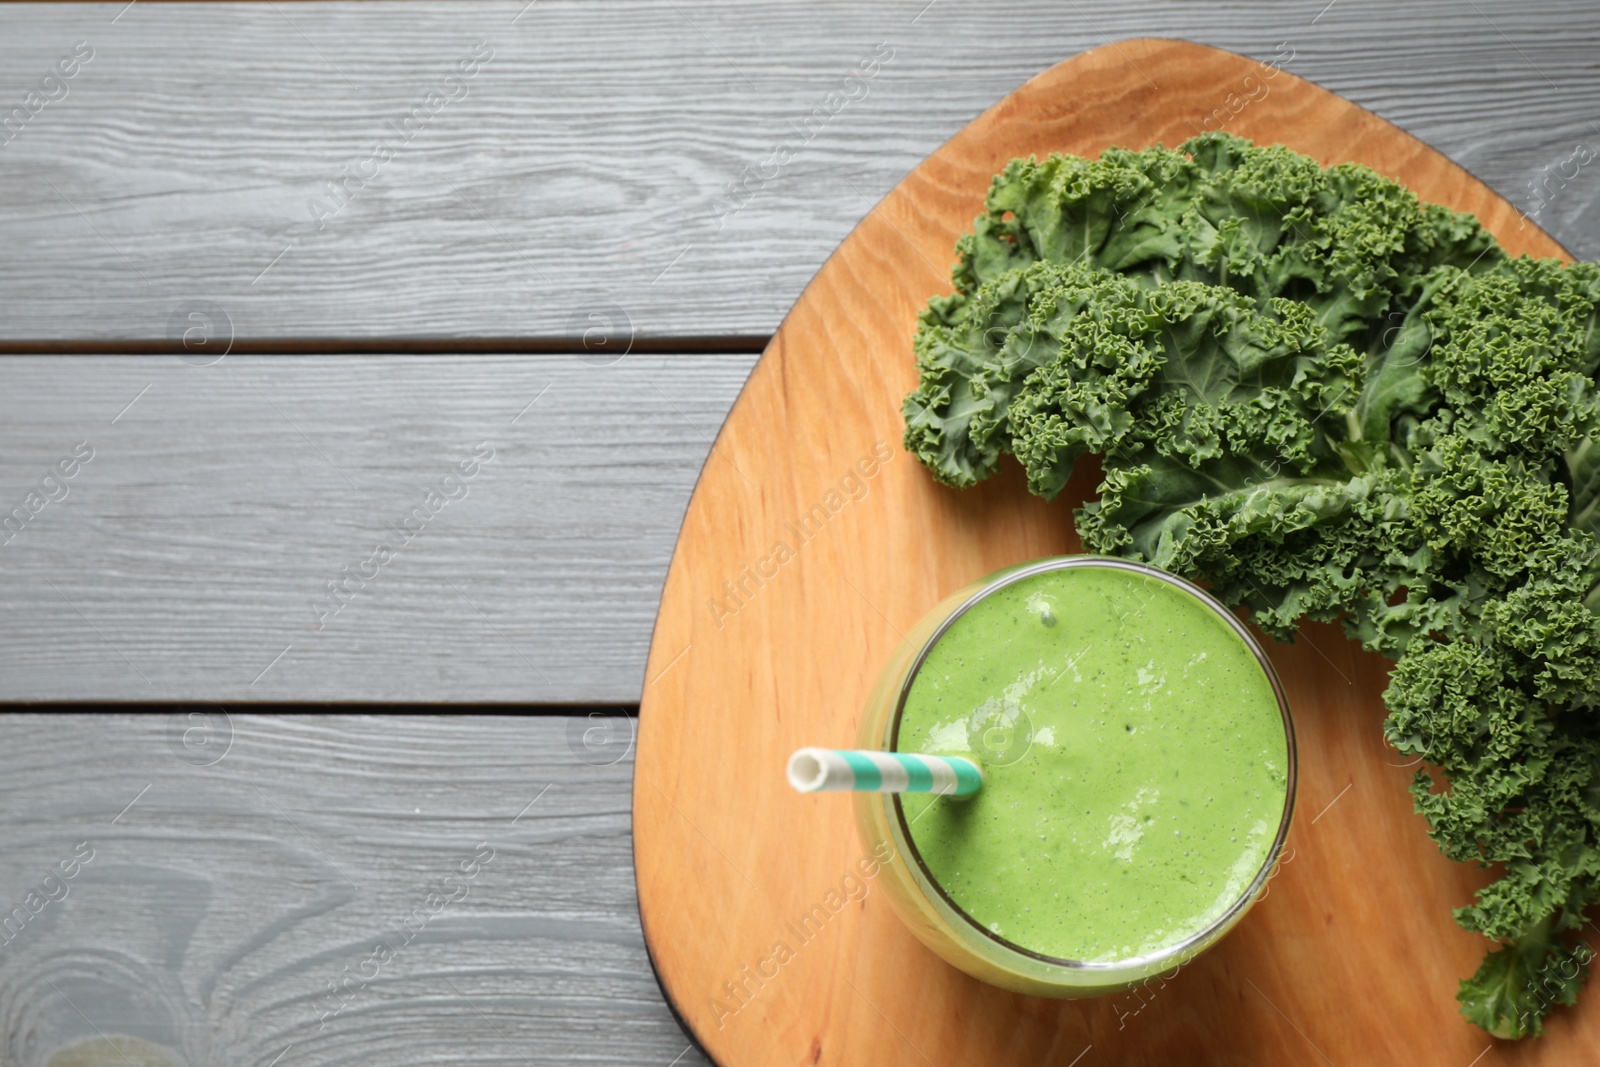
[237,868]
[199,541]
[588,165]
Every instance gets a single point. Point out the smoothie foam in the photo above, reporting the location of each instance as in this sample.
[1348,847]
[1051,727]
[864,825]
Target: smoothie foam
[1135,763]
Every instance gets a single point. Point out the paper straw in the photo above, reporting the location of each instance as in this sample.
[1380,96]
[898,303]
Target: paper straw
[815,770]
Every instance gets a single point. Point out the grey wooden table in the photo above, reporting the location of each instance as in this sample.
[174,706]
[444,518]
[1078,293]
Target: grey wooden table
[273,274]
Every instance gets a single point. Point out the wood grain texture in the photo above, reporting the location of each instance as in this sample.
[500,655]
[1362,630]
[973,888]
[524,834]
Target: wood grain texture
[234,878]
[1352,958]
[583,168]
[198,542]
[223,521]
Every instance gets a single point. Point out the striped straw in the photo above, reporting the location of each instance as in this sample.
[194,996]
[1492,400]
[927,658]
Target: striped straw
[815,770]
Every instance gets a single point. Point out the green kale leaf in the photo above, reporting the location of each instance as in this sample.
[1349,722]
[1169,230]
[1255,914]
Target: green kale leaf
[1325,400]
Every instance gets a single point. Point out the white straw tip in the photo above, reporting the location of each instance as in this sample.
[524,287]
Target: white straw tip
[808,770]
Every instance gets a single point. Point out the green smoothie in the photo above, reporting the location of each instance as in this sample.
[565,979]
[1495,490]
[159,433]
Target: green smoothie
[1135,762]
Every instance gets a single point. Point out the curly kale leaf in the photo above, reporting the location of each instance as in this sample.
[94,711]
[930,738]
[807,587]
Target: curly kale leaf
[1264,220]
[1055,361]
[957,421]
[1519,984]
[1325,400]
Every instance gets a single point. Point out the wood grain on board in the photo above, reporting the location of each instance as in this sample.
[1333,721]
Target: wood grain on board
[1353,956]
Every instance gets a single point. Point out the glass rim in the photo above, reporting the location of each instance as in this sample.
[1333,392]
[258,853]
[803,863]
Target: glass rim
[1028,570]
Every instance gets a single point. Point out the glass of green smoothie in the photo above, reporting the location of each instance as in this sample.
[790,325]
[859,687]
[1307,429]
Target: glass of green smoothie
[1138,767]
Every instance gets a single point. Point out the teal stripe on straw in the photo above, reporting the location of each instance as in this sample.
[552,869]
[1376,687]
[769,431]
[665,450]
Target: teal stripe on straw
[920,778]
[866,772]
[968,779]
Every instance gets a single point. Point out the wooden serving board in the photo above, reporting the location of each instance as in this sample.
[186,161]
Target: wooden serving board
[813,541]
